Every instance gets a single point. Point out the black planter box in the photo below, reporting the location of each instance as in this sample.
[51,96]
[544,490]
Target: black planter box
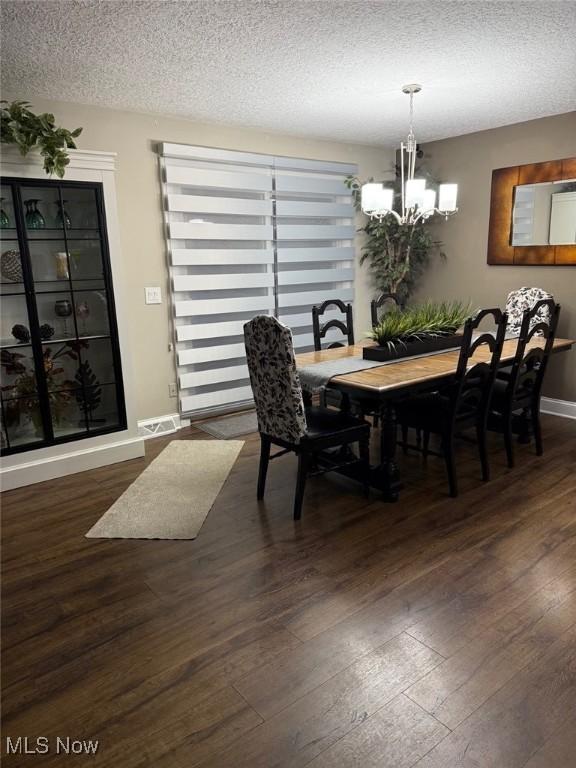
[434,344]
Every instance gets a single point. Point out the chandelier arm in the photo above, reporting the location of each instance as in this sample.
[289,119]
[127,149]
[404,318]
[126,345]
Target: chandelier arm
[402,190]
[397,216]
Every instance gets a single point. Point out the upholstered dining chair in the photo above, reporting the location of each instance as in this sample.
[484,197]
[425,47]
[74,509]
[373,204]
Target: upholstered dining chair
[386,302]
[519,301]
[345,325]
[464,403]
[518,387]
[283,419]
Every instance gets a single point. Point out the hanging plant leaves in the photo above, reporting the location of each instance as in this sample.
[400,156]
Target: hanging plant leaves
[20,126]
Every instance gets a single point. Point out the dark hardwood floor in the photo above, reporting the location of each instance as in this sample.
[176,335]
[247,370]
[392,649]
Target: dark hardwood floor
[435,632]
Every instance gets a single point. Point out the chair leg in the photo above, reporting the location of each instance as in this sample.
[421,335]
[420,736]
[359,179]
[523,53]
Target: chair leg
[419,438]
[425,443]
[364,451]
[264,459]
[508,441]
[481,437]
[448,444]
[304,460]
[537,429]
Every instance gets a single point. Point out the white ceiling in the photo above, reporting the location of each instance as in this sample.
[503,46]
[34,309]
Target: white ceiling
[323,68]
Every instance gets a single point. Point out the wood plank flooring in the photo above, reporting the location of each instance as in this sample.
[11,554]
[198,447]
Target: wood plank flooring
[435,632]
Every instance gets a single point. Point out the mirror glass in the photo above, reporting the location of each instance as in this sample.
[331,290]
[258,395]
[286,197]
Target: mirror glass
[544,214]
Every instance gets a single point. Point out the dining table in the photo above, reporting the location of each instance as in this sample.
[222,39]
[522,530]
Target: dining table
[382,386]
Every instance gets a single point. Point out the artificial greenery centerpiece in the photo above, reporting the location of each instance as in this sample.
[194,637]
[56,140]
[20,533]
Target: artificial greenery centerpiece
[397,253]
[425,322]
[20,126]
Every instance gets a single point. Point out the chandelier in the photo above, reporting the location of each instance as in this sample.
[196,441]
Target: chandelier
[417,202]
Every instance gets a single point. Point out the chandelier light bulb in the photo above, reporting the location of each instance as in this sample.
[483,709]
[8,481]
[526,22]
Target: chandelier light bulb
[371,197]
[429,202]
[448,196]
[415,192]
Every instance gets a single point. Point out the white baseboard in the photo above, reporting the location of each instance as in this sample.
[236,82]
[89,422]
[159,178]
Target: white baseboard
[49,467]
[161,425]
[565,408]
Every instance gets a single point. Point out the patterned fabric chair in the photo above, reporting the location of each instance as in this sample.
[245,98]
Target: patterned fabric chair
[519,301]
[283,419]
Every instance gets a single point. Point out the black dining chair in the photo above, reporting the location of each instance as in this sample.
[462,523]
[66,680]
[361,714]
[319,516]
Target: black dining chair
[518,387]
[463,404]
[283,419]
[346,325]
[384,303]
[319,330]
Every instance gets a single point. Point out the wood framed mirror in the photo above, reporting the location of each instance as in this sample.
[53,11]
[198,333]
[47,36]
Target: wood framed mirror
[533,214]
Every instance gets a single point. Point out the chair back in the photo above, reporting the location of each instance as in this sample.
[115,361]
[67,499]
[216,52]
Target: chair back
[530,362]
[274,379]
[389,301]
[471,393]
[346,325]
[519,301]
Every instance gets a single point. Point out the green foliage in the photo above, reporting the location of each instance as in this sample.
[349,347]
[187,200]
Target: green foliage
[417,323]
[397,253]
[20,126]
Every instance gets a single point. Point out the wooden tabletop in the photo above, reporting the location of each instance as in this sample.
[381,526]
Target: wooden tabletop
[405,373]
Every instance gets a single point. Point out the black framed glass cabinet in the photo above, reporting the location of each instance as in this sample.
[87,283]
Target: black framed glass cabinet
[61,373]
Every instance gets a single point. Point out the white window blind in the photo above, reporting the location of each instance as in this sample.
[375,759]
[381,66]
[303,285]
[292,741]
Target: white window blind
[248,234]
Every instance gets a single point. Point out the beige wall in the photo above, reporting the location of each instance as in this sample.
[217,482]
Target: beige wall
[133,136]
[469,161]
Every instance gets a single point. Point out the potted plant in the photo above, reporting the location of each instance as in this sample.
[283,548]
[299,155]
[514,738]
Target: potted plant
[426,328]
[397,253]
[23,391]
[20,126]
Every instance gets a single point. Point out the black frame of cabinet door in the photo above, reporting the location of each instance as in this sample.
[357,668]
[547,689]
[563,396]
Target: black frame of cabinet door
[17,185]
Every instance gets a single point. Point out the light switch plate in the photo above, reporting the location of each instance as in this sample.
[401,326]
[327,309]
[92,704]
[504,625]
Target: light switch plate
[153,295]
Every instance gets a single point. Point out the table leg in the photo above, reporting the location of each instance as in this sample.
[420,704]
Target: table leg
[389,475]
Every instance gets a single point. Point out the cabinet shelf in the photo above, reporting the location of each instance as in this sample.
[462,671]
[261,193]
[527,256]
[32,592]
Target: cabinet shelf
[67,387]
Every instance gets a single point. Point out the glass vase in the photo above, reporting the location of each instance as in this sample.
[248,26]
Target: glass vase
[4,219]
[62,217]
[34,219]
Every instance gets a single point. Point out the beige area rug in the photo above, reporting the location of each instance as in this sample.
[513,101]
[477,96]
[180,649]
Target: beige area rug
[172,497]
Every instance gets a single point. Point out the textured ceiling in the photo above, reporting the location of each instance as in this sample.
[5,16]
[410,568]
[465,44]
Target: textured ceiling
[324,68]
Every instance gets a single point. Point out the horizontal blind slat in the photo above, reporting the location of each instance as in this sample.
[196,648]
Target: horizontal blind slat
[214,376]
[314,232]
[223,306]
[295,277]
[200,256]
[220,282]
[292,255]
[209,354]
[219,397]
[201,177]
[220,205]
[209,231]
